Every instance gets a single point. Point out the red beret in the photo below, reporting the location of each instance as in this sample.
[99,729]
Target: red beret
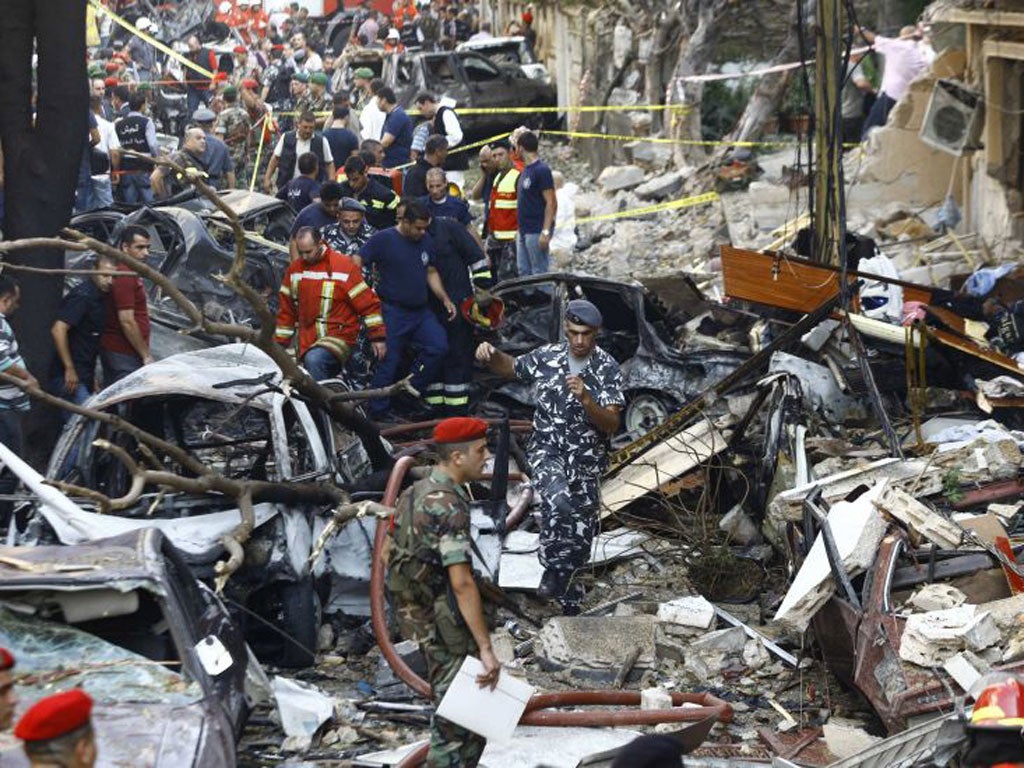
[250,83]
[240,49]
[111,82]
[527,18]
[120,55]
[218,76]
[6,660]
[112,66]
[54,716]
[460,429]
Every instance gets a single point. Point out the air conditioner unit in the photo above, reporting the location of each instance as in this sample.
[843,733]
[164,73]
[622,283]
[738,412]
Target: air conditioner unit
[951,119]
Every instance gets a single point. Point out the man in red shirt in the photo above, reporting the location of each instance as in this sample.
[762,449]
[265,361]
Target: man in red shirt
[324,295]
[125,340]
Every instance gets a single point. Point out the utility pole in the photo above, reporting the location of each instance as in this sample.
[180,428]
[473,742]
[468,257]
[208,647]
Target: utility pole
[829,204]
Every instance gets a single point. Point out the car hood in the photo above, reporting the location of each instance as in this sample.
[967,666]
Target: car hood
[137,735]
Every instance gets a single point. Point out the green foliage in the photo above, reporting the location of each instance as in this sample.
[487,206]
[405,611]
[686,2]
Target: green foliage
[722,106]
[951,486]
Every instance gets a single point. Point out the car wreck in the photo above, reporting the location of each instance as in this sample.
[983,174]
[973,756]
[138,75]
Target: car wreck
[224,406]
[124,619]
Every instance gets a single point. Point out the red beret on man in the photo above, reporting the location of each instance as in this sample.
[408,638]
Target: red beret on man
[112,66]
[250,84]
[55,716]
[460,429]
[111,82]
[6,660]
[241,49]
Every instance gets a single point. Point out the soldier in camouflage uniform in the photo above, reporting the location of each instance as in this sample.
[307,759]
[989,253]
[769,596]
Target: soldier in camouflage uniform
[234,127]
[578,393]
[319,100]
[431,582]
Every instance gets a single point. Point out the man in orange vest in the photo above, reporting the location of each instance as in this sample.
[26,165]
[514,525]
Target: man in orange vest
[324,295]
[502,221]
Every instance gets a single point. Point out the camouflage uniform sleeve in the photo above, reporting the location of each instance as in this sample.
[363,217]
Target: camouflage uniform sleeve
[525,366]
[609,379]
[452,521]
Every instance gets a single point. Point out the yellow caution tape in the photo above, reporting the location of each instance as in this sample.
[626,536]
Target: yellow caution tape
[680,108]
[686,202]
[462,148]
[149,39]
[259,150]
[657,140]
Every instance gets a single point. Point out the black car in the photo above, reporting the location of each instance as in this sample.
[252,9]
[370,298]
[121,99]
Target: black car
[124,619]
[637,332]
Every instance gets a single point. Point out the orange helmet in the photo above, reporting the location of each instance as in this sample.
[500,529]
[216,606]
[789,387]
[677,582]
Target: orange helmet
[487,319]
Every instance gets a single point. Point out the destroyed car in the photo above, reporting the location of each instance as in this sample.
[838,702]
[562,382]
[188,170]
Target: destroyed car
[468,80]
[193,250]
[225,406]
[657,377]
[124,619]
[512,51]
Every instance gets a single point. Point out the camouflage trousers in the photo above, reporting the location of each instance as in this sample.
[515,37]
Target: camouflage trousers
[451,746]
[569,501]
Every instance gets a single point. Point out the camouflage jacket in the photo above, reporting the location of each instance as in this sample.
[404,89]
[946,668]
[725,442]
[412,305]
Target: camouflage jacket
[560,424]
[234,127]
[431,532]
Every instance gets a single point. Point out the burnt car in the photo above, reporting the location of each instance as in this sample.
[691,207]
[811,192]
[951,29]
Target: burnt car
[124,619]
[465,79]
[637,332]
[227,408]
[192,243]
[512,50]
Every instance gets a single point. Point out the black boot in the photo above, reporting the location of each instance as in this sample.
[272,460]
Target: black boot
[552,584]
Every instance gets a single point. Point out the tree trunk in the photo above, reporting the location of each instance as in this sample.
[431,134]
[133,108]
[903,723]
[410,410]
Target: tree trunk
[693,57]
[771,88]
[41,156]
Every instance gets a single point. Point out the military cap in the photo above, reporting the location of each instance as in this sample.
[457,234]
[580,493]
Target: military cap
[460,429]
[97,70]
[6,660]
[501,144]
[364,73]
[112,66]
[299,55]
[351,204]
[302,77]
[318,78]
[204,115]
[582,312]
[55,716]
[230,91]
[250,83]
[219,77]
[241,49]
[111,82]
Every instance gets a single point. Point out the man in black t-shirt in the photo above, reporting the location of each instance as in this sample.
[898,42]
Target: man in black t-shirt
[76,335]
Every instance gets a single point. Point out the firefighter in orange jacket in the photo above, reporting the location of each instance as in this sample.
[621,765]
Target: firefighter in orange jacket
[324,295]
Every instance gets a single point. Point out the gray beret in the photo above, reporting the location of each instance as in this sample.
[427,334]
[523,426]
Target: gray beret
[204,115]
[582,312]
[351,204]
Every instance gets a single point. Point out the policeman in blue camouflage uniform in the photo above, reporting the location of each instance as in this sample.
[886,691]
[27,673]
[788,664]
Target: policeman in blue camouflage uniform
[430,579]
[578,393]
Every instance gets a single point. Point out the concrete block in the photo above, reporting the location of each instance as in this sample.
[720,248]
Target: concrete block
[655,698]
[648,154]
[660,187]
[692,611]
[858,530]
[929,639]
[616,177]
[504,645]
[706,655]
[966,669]
[937,529]
[595,646]
[937,597]
[846,738]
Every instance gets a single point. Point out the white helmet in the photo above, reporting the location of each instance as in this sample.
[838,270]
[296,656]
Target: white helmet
[225,7]
[144,23]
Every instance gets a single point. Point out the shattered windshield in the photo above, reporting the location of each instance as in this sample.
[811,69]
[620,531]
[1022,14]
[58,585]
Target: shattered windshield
[53,655]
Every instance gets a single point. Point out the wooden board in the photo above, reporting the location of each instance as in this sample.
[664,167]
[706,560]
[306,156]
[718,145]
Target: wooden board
[788,282]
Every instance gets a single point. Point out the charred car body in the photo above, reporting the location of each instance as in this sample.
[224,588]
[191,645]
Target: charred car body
[225,407]
[191,243]
[657,377]
[124,619]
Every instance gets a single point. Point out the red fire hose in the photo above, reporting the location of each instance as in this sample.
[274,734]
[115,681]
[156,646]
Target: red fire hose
[536,713]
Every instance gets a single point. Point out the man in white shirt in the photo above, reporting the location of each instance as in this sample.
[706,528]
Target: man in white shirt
[313,61]
[291,146]
[372,117]
[903,63]
[102,189]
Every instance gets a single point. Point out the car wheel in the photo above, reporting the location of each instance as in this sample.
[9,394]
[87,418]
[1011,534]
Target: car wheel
[646,410]
[300,618]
